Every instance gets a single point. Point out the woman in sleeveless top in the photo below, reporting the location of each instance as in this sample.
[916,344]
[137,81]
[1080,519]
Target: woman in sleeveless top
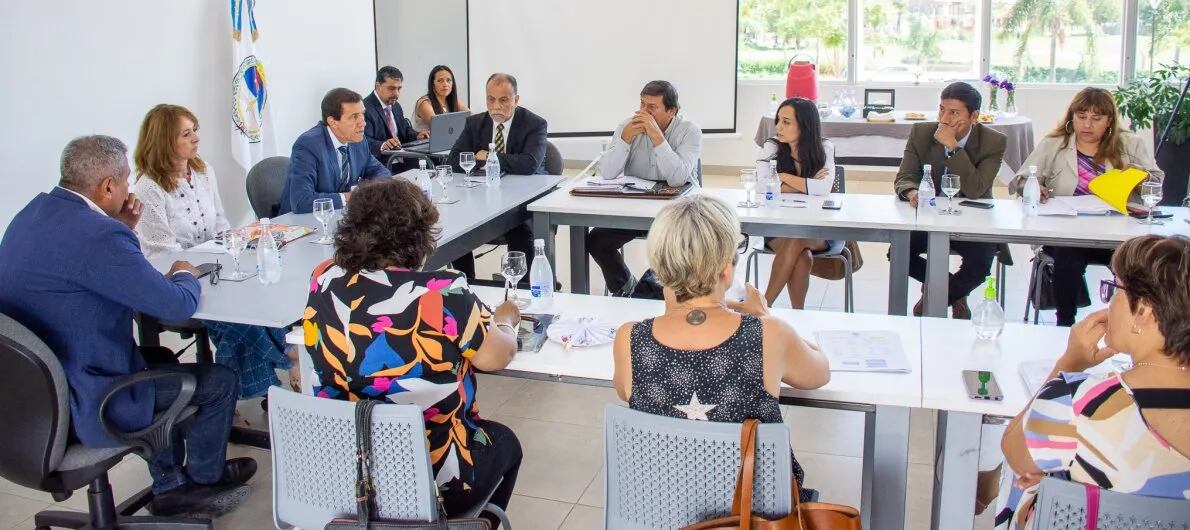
[705,358]
[1126,432]
[442,96]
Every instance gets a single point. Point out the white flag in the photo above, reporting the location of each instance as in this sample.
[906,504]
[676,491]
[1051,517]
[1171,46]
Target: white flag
[252,135]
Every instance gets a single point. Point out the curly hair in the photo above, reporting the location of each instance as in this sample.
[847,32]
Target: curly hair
[388,223]
[1156,270]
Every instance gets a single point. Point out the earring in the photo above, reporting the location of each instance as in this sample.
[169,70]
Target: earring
[1135,330]
[1109,131]
[1068,127]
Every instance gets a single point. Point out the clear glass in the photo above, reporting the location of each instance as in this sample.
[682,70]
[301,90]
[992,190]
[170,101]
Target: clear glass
[1162,34]
[513,267]
[234,243]
[324,211]
[446,176]
[1150,194]
[748,179]
[467,162]
[771,32]
[919,41]
[1058,42]
[950,187]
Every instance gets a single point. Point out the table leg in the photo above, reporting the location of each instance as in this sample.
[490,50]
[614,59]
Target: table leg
[579,278]
[898,274]
[543,229]
[937,274]
[956,467]
[886,462]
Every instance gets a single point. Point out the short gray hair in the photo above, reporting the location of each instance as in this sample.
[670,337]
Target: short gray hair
[87,160]
[500,77]
[690,242]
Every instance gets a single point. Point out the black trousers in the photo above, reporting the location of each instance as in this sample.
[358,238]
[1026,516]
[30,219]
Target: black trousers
[977,264]
[519,238]
[1070,268]
[604,244]
[498,462]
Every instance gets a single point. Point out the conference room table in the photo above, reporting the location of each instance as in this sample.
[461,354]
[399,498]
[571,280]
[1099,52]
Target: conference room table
[863,217]
[1006,222]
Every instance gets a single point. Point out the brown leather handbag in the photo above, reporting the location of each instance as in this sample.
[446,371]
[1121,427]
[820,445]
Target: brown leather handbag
[805,516]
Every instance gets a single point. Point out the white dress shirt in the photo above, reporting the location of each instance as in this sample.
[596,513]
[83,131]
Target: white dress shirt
[90,204]
[507,127]
[336,144]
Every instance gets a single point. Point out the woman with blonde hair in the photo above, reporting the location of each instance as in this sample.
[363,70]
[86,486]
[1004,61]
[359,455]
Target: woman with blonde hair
[1088,142]
[706,358]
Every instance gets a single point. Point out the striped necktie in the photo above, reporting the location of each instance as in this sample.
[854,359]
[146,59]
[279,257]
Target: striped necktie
[500,138]
[344,169]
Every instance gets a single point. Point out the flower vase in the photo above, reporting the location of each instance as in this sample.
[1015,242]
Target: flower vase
[994,102]
[1010,105]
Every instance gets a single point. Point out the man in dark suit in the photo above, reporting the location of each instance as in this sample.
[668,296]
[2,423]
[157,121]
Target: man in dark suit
[330,158]
[519,137]
[957,143]
[71,270]
[386,126]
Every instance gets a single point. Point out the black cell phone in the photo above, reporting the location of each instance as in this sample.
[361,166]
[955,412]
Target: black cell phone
[833,203]
[206,268]
[981,384]
[976,204]
[1157,214]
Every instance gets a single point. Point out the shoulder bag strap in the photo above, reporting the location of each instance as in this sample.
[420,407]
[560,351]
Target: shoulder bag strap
[363,441]
[741,503]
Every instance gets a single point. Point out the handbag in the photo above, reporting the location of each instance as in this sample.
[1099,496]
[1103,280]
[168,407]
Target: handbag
[364,492]
[805,515]
[832,269]
[1043,296]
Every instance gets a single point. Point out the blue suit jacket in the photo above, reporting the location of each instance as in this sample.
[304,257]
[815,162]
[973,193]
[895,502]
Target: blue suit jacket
[314,171]
[376,130]
[74,276]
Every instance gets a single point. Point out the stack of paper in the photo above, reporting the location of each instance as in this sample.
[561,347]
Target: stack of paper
[623,180]
[1033,374]
[863,351]
[1075,205]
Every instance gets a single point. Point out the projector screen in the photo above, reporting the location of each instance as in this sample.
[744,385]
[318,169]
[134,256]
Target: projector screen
[581,64]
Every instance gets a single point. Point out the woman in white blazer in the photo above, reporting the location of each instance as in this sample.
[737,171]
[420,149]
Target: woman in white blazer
[1088,142]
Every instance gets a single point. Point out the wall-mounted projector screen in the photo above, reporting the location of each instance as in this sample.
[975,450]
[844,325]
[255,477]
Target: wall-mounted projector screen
[581,64]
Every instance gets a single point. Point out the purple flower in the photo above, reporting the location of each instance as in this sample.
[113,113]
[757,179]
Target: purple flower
[991,78]
[1007,85]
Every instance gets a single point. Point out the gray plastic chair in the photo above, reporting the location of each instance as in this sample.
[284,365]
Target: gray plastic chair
[663,473]
[1062,505]
[265,182]
[553,159]
[314,452]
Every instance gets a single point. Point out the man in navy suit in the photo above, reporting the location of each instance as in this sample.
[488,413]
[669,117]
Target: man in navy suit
[387,127]
[71,270]
[519,137]
[330,158]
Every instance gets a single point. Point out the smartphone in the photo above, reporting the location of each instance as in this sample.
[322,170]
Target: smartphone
[977,204]
[206,268]
[833,203]
[982,385]
[1157,214]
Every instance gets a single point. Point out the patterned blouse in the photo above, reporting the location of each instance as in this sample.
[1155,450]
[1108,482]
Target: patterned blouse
[1087,171]
[405,337]
[190,215]
[1091,427]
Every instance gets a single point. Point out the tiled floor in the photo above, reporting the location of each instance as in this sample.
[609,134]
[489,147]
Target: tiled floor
[560,426]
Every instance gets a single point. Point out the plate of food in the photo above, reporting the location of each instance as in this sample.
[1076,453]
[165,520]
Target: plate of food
[915,116]
[987,118]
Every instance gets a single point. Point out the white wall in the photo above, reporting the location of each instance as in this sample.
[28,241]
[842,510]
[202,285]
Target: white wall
[75,67]
[415,36]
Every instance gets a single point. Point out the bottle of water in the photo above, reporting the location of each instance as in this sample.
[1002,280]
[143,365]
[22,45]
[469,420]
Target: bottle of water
[268,256]
[423,179]
[772,185]
[1032,193]
[492,167]
[541,277]
[925,190]
[988,316]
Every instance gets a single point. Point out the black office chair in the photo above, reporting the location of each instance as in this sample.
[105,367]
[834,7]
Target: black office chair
[39,452]
[553,159]
[265,182]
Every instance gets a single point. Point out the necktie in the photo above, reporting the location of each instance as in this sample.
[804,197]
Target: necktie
[388,120]
[500,138]
[344,169]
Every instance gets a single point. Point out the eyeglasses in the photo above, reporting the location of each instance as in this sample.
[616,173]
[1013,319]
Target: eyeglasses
[1107,289]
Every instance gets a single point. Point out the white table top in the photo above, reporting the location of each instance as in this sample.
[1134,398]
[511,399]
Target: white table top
[1007,219]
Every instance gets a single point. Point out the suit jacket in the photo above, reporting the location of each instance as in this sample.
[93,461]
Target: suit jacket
[524,148]
[314,171]
[1057,166]
[376,127]
[976,164]
[74,276]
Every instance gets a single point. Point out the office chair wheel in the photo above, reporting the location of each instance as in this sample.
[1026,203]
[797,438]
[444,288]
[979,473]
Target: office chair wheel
[264,404]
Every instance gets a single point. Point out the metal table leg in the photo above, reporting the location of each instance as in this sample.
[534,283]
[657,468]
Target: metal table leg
[886,462]
[937,274]
[579,278]
[955,471]
[898,274]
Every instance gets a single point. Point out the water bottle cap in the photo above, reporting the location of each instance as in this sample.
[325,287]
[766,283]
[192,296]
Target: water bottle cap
[538,243]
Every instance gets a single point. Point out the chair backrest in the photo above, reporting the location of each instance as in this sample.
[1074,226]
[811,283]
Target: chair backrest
[553,159]
[314,455]
[34,407]
[1062,505]
[698,172]
[666,472]
[840,185]
[265,182]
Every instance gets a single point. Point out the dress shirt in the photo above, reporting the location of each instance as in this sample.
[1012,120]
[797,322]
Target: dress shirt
[507,127]
[336,144]
[673,161]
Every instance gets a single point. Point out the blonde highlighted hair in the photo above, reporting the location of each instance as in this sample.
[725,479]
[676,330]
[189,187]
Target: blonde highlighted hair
[690,243]
[154,155]
[1091,99]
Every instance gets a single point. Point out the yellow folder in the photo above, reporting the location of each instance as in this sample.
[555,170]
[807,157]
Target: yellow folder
[1115,186]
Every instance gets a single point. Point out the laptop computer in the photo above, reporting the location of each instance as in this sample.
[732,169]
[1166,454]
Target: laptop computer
[444,131]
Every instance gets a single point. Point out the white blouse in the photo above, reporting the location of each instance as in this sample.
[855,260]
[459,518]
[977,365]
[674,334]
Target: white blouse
[192,214]
[814,186]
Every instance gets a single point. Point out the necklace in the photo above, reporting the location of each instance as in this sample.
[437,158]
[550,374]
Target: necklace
[696,316]
[1155,365]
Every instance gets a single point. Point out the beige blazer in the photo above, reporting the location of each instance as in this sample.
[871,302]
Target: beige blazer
[1057,168]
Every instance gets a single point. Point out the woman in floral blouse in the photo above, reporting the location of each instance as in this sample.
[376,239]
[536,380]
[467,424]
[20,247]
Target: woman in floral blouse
[379,327]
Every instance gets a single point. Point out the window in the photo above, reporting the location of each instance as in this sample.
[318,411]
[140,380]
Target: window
[919,40]
[774,31]
[1057,41]
[1163,34]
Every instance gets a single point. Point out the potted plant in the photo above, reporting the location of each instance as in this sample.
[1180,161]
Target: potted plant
[1148,103]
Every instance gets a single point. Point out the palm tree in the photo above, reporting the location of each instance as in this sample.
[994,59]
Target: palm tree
[1027,17]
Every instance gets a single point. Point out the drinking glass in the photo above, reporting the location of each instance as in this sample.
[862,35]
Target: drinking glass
[234,243]
[467,162]
[748,179]
[513,267]
[445,177]
[324,211]
[950,186]
[1150,194]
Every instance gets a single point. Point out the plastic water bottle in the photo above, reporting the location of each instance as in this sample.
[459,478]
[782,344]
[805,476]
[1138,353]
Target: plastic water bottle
[268,256]
[925,190]
[1032,193]
[988,316]
[423,179]
[541,277]
[492,167]
[772,186]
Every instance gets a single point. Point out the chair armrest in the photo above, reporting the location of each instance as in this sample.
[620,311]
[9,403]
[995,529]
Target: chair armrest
[158,434]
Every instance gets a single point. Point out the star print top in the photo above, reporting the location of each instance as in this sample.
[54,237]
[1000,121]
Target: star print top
[724,383]
[405,337]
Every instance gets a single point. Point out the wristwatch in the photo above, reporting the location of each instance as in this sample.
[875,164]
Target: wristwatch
[950,153]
